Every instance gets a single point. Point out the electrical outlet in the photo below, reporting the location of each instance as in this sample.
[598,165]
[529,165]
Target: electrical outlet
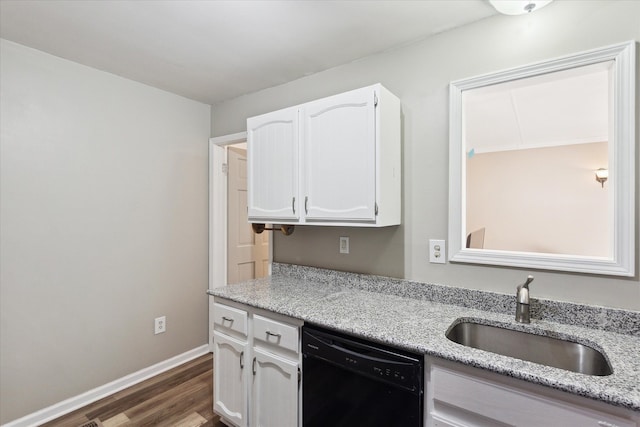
[160,325]
[437,251]
[344,245]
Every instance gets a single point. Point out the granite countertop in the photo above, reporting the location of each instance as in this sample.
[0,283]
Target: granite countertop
[393,312]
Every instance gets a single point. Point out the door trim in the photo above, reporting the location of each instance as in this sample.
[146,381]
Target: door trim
[218,216]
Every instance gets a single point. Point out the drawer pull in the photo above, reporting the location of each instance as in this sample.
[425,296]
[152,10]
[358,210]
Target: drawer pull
[271,334]
[228,319]
[242,360]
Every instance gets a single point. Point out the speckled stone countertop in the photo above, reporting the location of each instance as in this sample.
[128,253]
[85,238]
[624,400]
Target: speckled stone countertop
[416,316]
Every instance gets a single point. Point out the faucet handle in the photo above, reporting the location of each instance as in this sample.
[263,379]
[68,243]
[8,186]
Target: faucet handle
[522,292]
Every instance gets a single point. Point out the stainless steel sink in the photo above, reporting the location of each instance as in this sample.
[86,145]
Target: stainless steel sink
[540,349]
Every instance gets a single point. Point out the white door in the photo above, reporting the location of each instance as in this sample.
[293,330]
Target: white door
[274,391]
[247,252]
[272,141]
[229,378]
[340,157]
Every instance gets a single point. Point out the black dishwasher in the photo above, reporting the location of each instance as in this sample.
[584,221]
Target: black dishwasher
[348,381]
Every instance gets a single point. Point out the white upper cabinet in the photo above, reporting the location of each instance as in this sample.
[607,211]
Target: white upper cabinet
[272,168]
[343,157]
[339,147]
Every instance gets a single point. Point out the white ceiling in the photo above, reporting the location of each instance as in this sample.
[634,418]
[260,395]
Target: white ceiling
[560,108]
[217,50]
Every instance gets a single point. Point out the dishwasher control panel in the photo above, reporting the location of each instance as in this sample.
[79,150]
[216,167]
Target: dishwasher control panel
[376,361]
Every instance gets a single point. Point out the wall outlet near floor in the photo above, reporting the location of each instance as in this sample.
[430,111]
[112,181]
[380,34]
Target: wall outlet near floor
[437,251]
[160,325]
[344,245]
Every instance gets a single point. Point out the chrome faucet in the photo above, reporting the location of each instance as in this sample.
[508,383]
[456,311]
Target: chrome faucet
[522,302]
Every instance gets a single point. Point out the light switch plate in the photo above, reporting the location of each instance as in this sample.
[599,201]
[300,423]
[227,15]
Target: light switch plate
[344,245]
[437,251]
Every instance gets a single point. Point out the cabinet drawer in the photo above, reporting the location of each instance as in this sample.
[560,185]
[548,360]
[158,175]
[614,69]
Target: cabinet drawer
[276,334]
[229,319]
[458,396]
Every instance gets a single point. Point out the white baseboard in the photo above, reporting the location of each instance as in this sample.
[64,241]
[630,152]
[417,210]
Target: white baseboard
[61,408]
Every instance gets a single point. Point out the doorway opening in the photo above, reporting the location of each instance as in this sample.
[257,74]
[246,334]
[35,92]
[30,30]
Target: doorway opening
[247,252]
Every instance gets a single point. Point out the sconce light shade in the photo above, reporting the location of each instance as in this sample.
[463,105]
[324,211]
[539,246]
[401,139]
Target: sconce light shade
[518,7]
[602,175]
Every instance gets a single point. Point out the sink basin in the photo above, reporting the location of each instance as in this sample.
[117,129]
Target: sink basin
[540,349]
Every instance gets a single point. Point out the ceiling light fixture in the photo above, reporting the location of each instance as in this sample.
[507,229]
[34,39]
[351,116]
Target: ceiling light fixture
[518,7]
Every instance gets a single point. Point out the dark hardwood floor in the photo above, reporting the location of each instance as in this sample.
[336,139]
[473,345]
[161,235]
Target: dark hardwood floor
[182,397]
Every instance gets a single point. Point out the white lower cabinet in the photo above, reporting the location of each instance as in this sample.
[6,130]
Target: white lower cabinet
[230,379]
[274,390]
[256,367]
[462,396]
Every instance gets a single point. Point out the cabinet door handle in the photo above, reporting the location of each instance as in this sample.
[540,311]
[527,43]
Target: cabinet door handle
[228,319]
[271,334]
[242,360]
[293,205]
[306,201]
[253,366]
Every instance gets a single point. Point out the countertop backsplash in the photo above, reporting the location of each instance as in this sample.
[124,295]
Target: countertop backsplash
[604,318]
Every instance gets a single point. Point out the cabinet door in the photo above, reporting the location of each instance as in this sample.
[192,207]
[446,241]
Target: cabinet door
[272,168]
[230,378]
[274,391]
[340,157]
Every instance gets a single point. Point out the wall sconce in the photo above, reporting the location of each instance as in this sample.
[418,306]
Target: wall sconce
[518,7]
[602,175]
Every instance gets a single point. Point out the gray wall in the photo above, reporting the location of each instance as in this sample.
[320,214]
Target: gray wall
[104,228]
[419,74]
